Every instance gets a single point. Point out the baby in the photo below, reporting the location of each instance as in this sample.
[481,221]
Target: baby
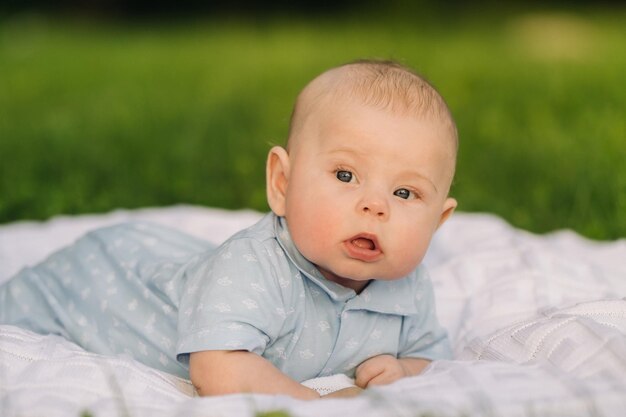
[329,282]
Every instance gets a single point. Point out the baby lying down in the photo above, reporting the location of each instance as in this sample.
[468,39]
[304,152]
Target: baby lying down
[329,282]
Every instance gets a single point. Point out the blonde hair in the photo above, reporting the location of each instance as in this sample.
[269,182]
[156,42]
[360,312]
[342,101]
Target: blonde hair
[386,85]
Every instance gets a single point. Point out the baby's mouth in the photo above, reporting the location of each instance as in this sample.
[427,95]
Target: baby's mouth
[363,247]
[364,243]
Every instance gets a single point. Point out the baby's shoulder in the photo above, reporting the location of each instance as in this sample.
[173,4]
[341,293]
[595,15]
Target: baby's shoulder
[420,285]
[253,253]
[258,240]
[419,276]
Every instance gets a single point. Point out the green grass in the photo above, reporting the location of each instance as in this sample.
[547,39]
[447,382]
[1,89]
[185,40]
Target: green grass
[96,116]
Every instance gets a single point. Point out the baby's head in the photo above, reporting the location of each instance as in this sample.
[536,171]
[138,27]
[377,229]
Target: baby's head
[385,85]
[363,183]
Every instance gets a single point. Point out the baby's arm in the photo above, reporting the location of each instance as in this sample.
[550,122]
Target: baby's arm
[385,369]
[222,372]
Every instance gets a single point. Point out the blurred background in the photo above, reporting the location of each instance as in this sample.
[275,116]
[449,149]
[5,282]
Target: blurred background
[110,104]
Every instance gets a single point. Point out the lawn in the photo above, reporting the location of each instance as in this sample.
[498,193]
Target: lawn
[102,115]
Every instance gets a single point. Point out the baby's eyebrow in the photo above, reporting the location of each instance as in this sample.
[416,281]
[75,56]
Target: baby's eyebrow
[408,174]
[345,150]
[352,151]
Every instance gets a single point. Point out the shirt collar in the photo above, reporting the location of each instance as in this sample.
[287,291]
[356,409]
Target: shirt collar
[388,297]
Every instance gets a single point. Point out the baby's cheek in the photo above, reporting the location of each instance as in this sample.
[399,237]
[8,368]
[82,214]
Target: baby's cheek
[408,257]
[314,242]
[308,238]
[398,270]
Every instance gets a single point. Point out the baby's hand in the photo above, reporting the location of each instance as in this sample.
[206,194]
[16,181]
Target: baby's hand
[379,370]
[385,369]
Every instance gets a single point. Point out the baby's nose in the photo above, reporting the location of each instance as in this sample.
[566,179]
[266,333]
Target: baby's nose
[376,207]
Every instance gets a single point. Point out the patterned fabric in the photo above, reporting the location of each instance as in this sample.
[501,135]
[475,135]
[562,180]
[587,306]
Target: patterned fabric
[114,291]
[265,297]
[547,312]
[150,292]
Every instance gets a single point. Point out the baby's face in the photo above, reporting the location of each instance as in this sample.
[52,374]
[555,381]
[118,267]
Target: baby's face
[366,191]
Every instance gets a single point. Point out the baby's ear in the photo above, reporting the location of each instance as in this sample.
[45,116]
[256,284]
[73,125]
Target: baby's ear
[448,208]
[276,177]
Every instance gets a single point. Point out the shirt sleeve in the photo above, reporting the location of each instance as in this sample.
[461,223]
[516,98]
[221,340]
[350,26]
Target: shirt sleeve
[422,336]
[231,301]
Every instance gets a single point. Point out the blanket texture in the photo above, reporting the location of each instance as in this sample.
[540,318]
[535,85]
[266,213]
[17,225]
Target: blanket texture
[537,323]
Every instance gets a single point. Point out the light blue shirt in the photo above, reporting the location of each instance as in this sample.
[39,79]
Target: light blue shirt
[115,291]
[157,295]
[258,293]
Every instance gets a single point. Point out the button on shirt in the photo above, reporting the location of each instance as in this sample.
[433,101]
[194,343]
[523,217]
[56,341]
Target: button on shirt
[256,292]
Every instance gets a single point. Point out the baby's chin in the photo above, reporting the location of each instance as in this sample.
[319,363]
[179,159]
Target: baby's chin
[350,275]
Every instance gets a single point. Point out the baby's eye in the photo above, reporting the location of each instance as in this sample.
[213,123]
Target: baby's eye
[344,176]
[404,193]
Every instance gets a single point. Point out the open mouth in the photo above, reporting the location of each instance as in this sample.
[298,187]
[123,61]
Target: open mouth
[364,243]
[363,247]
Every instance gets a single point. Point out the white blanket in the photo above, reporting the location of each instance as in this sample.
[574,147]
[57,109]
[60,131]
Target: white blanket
[538,326]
